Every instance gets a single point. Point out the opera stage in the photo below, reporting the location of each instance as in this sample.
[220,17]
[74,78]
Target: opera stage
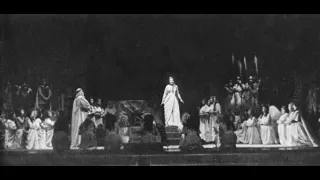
[247,155]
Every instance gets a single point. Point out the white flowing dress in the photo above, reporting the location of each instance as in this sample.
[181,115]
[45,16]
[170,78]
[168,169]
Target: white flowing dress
[268,135]
[171,106]
[282,128]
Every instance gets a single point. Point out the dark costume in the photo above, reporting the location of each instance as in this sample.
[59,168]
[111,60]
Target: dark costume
[43,92]
[24,97]
[87,131]
[190,140]
[60,140]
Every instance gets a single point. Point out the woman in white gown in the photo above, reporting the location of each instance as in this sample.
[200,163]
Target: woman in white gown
[34,126]
[49,124]
[215,112]
[267,132]
[11,139]
[282,126]
[42,135]
[253,134]
[204,118]
[171,104]
[300,135]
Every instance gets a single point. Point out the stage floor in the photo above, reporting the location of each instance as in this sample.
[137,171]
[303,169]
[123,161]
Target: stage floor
[253,155]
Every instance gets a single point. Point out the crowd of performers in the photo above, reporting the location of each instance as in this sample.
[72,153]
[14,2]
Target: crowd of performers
[271,126]
[24,126]
[243,95]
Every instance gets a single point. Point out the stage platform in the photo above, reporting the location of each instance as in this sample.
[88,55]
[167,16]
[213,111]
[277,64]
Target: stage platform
[248,155]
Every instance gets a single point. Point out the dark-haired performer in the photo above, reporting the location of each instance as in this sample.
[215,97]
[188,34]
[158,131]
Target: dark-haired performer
[171,104]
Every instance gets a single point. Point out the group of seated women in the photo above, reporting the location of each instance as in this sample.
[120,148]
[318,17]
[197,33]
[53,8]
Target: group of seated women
[288,128]
[32,131]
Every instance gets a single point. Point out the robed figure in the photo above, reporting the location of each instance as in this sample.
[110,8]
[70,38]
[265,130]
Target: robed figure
[7,97]
[171,104]
[79,113]
[24,95]
[43,96]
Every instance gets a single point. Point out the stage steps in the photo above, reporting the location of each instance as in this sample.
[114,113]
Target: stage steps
[173,135]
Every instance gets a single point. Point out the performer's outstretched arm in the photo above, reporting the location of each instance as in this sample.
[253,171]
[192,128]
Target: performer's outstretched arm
[179,95]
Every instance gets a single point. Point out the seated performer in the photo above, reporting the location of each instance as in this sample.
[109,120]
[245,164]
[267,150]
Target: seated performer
[252,135]
[148,142]
[282,125]
[227,137]
[268,135]
[60,140]
[300,133]
[11,140]
[124,129]
[190,140]
[113,141]
[87,131]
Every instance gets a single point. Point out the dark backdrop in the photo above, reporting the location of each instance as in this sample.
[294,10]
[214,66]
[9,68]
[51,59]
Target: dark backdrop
[120,57]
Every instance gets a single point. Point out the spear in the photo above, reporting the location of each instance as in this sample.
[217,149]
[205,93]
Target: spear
[240,67]
[232,58]
[256,64]
[245,63]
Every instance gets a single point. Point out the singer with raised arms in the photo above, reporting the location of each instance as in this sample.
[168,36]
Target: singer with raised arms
[171,104]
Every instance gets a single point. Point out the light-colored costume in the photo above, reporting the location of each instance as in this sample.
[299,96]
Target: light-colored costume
[49,123]
[204,118]
[171,106]
[79,113]
[282,128]
[268,135]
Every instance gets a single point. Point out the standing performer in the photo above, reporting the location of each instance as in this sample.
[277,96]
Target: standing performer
[7,98]
[229,88]
[171,105]
[238,88]
[43,96]
[79,113]
[24,95]
[254,85]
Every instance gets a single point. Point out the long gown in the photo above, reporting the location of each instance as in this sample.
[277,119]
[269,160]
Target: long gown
[288,128]
[242,133]
[204,118]
[11,135]
[20,131]
[212,126]
[267,132]
[282,129]
[299,133]
[171,106]
[253,134]
[49,123]
[79,114]
[33,138]
[42,134]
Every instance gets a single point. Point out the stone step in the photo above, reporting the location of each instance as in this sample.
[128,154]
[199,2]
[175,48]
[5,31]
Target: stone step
[171,129]
[173,135]
[173,141]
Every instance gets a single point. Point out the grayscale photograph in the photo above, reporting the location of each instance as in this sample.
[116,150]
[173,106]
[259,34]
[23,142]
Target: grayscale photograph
[159,89]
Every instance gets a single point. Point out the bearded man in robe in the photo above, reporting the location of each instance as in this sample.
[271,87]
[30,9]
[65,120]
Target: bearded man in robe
[79,113]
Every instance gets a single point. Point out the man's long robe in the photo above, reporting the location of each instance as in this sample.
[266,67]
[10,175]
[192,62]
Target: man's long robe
[79,113]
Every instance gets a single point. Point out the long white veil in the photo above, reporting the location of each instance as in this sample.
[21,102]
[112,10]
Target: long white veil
[274,113]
